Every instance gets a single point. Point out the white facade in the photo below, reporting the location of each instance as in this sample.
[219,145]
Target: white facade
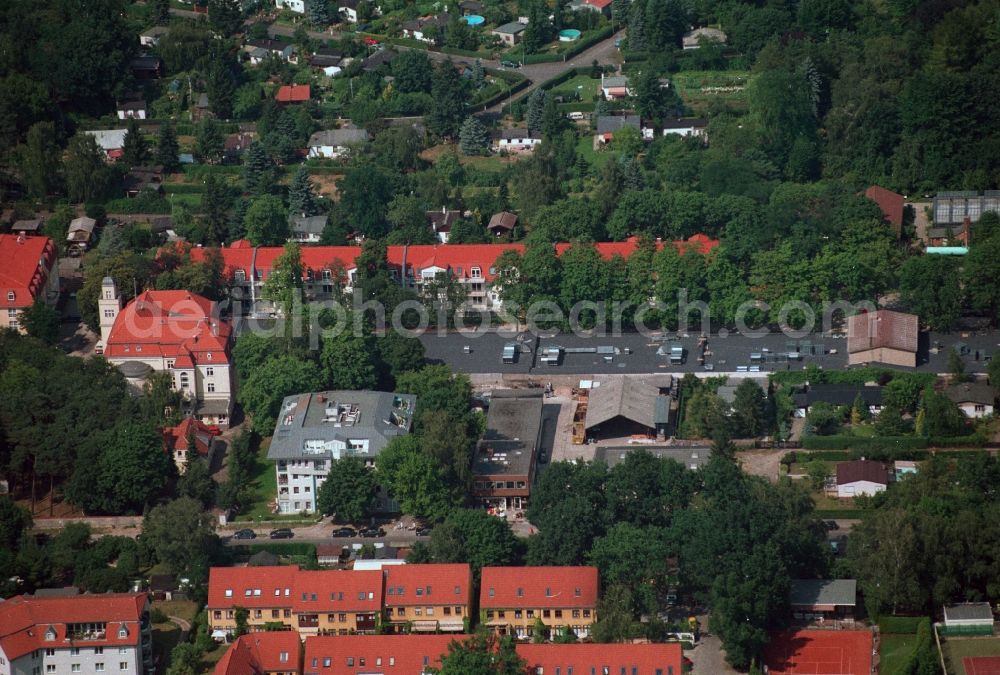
[517,144]
[297,6]
[975,410]
[349,13]
[860,487]
[131,113]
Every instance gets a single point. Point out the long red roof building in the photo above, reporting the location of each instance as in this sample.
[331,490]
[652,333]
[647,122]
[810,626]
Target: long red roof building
[27,267]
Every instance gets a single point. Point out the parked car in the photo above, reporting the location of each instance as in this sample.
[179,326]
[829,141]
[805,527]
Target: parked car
[345,532]
[510,64]
[245,533]
[373,532]
[282,533]
[424,532]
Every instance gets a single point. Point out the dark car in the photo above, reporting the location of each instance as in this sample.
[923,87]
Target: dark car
[245,533]
[543,457]
[373,532]
[510,64]
[282,533]
[345,532]
[424,532]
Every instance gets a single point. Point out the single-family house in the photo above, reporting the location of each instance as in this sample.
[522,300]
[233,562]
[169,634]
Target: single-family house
[188,438]
[968,618]
[861,477]
[607,125]
[258,50]
[165,587]
[81,231]
[686,126]
[441,222]
[883,336]
[297,6]
[426,28]
[134,109]
[502,224]
[146,67]
[307,229]
[948,235]
[30,227]
[348,10]
[615,88]
[111,141]
[904,467]
[293,93]
[383,57]
[694,39]
[517,139]
[838,395]
[201,108]
[510,33]
[975,399]
[327,60]
[471,7]
[890,203]
[144,179]
[234,146]
[336,143]
[823,599]
[151,36]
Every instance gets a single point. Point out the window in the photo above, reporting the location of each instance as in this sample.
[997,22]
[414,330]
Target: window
[517,614]
[185,381]
[492,592]
[418,611]
[209,372]
[350,660]
[240,275]
[458,590]
[520,592]
[74,668]
[577,592]
[122,632]
[558,613]
[50,668]
[548,592]
[576,614]
[531,614]
[109,314]
[217,615]
[74,651]
[122,650]
[586,614]
[326,661]
[342,618]
[99,667]
[283,657]
[476,272]
[98,650]
[123,665]
[458,611]
[10,296]
[447,611]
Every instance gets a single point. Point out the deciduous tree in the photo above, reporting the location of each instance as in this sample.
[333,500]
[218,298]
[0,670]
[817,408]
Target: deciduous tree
[347,491]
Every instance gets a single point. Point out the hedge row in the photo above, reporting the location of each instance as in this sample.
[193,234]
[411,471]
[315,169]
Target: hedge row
[586,43]
[291,548]
[852,376]
[506,93]
[138,205]
[845,442]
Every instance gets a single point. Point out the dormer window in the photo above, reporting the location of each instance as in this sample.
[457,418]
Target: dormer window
[10,296]
[240,275]
[229,592]
[520,592]
[123,632]
[50,634]
[577,592]
[476,272]
[548,592]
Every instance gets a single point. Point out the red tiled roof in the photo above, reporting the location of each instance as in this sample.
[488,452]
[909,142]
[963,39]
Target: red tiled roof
[635,659]
[176,438]
[541,587]
[25,264]
[599,4]
[427,585]
[170,324]
[24,620]
[389,654]
[337,591]
[251,587]
[882,328]
[862,469]
[891,203]
[262,653]
[459,258]
[293,93]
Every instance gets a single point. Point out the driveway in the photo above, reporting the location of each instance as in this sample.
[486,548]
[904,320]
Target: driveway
[708,657]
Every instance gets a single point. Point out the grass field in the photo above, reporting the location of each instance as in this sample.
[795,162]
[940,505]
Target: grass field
[583,85]
[699,88]
[264,481]
[956,649]
[895,651]
[586,148]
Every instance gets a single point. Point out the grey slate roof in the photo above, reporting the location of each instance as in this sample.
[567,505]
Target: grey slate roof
[308,224]
[691,457]
[614,82]
[326,419]
[838,394]
[612,123]
[338,137]
[512,28]
[512,425]
[809,592]
[634,398]
[972,392]
[968,611]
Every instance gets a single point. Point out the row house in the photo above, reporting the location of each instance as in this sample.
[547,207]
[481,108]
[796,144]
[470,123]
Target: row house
[261,654]
[67,633]
[29,270]
[513,599]
[428,598]
[177,332]
[419,598]
[330,270]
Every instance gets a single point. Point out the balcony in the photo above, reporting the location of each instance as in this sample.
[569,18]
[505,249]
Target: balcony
[282,479]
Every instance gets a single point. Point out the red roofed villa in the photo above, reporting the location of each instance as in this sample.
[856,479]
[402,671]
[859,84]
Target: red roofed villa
[175,332]
[178,440]
[564,598]
[67,632]
[28,270]
[264,653]
[293,93]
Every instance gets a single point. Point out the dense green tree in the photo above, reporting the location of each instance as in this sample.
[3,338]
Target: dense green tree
[942,416]
[135,149]
[448,100]
[258,170]
[41,321]
[475,537]
[38,160]
[221,88]
[264,389]
[196,481]
[185,659]
[216,201]
[87,176]
[823,419]
[347,491]
[180,533]
[283,285]
[481,654]
[266,222]
[635,557]
[474,137]
[616,616]
[412,71]
[208,141]
[415,480]
[225,16]
[167,149]
[14,521]
[750,410]
[301,199]
[365,194]
[349,361]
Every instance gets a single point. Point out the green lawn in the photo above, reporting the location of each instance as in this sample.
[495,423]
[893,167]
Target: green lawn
[264,481]
[699,88]
[583,85]
[895,651]
[956,649]
[165,638]
[586,148]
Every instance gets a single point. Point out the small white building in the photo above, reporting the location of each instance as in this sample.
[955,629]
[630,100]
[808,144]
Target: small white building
[307,229]
[687,126]
[151,36]
[297,6]
[616,87]
[111,141]
[132,110]
[516,140]
[81,230]
[336,143]
[969,618]
[861,477]
[699,36]
[348,9]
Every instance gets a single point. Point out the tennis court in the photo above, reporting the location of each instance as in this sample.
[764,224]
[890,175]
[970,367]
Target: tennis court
[819,652]
[981,665]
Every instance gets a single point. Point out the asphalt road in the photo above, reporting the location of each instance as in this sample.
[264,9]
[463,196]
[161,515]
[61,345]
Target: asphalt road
[635,353]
